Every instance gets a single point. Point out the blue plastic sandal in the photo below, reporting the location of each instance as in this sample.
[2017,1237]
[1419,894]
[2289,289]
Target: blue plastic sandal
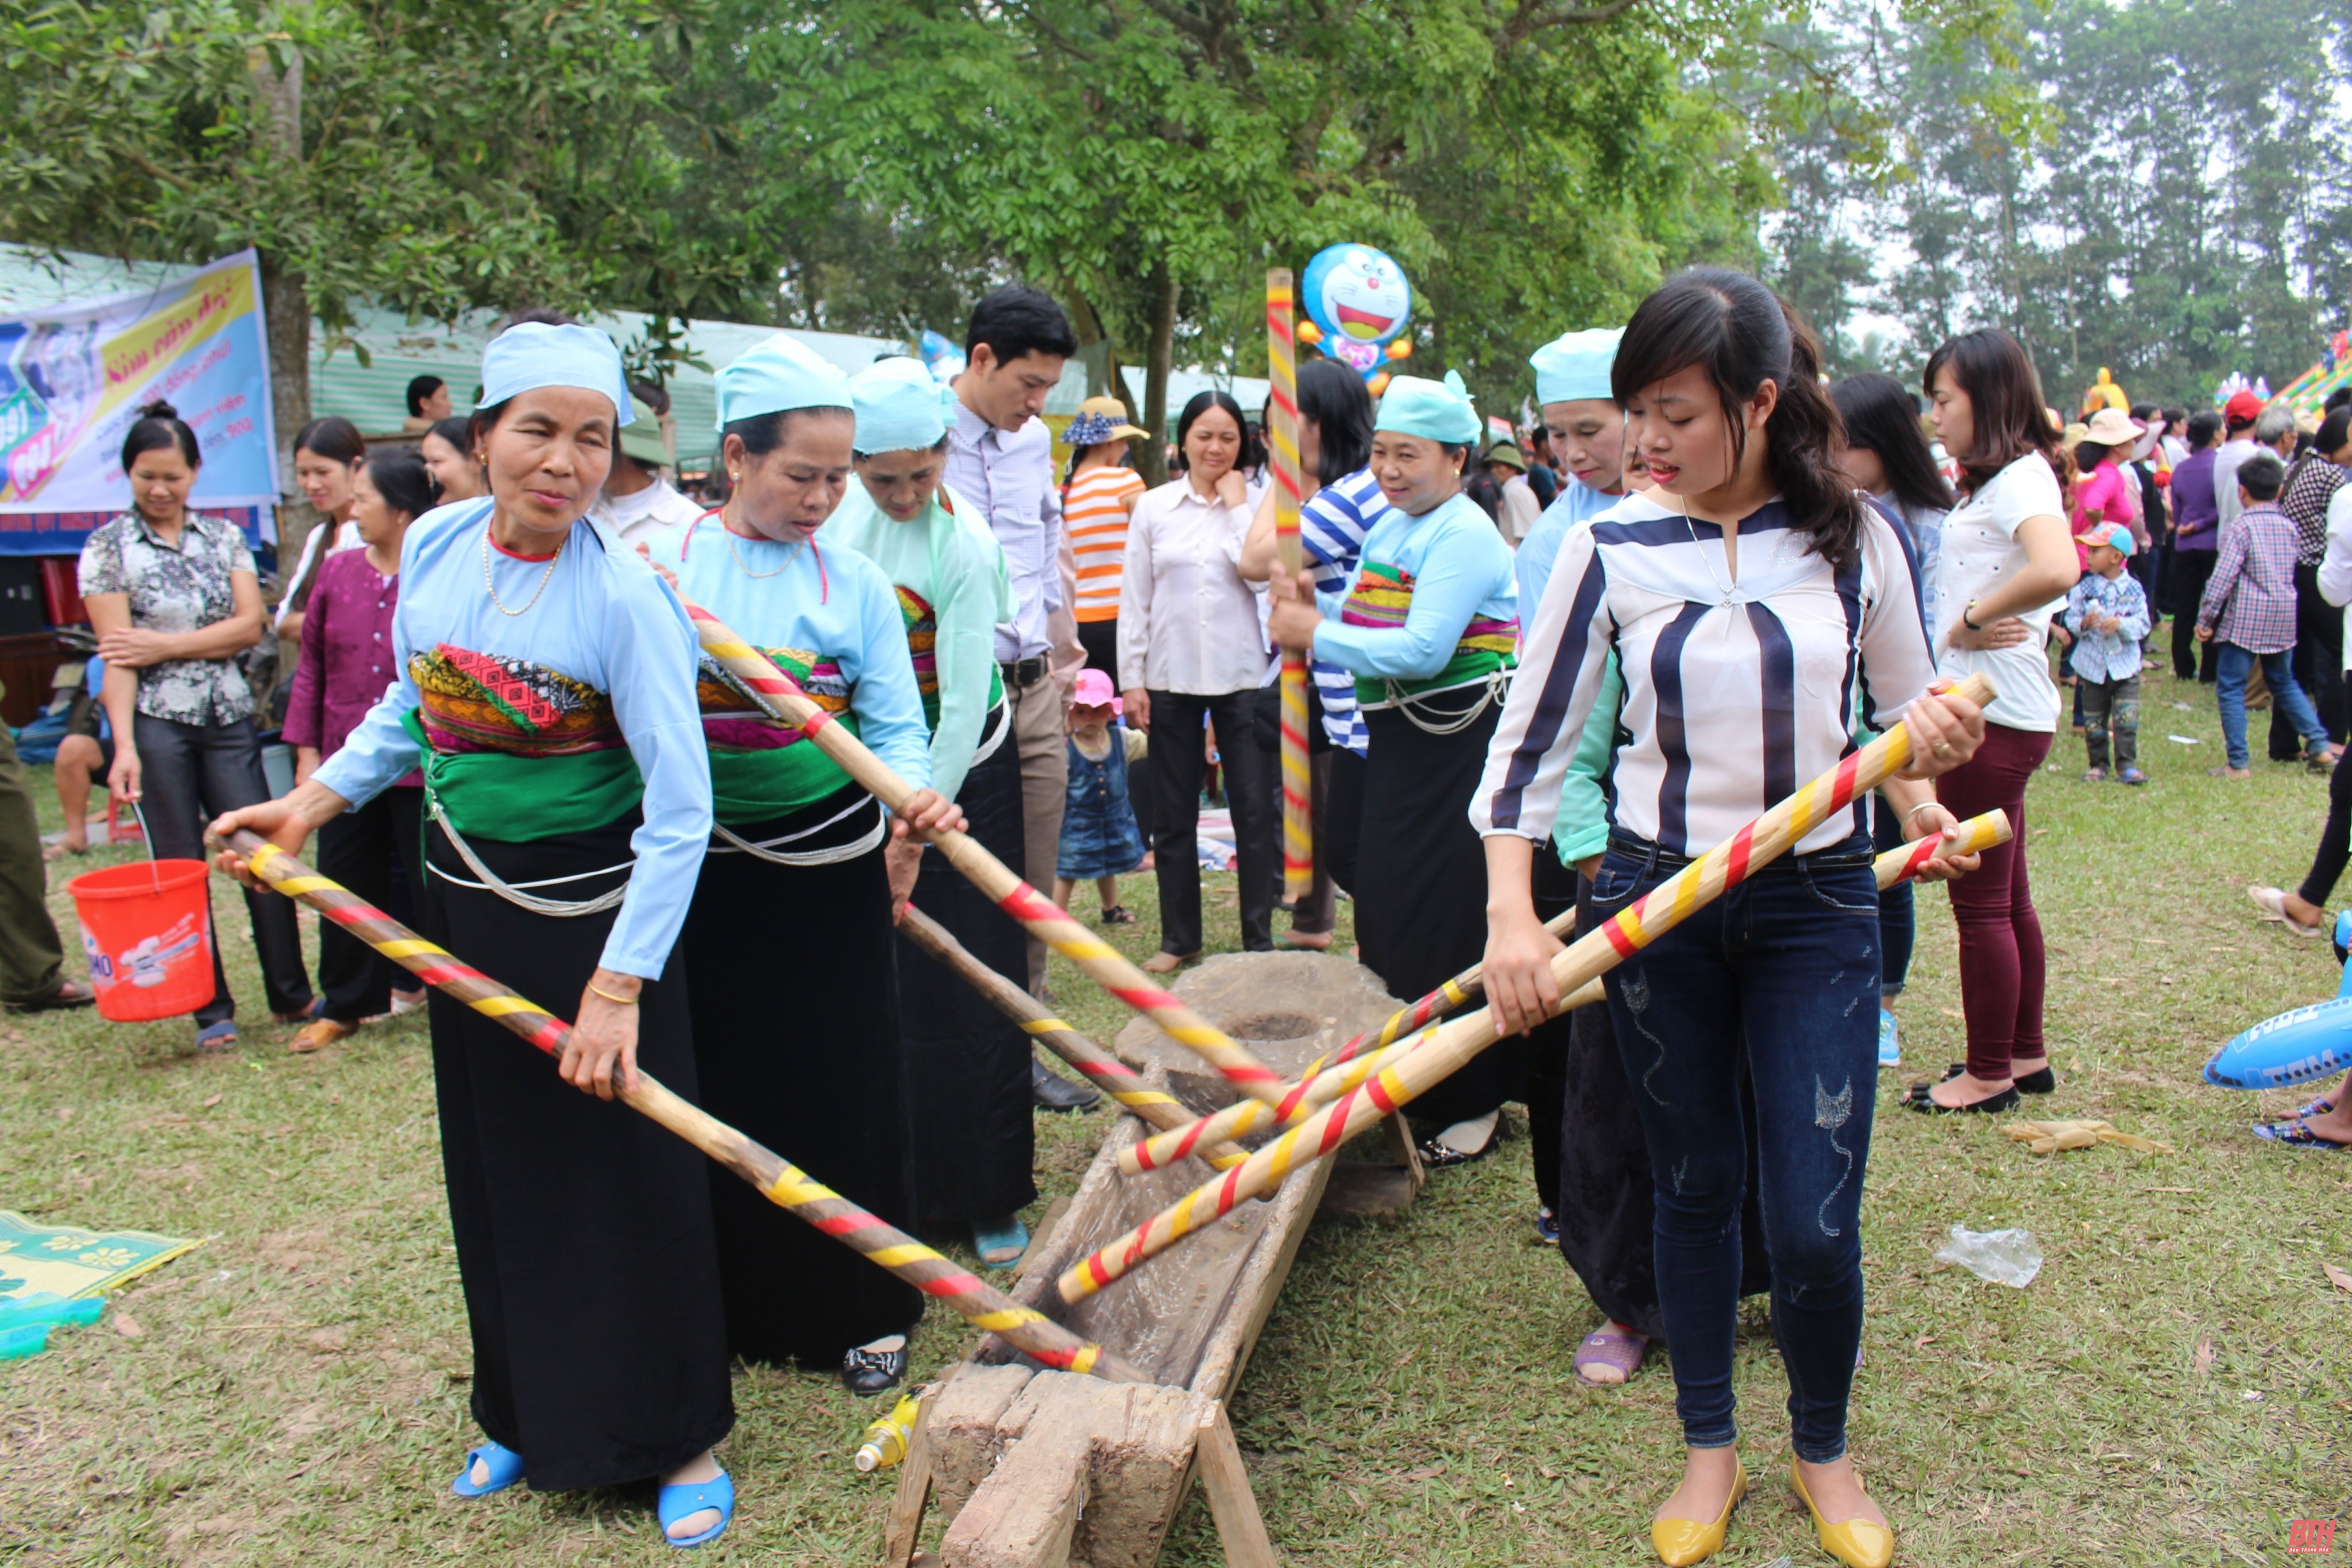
[220,1036]
[504,1465]
[1011,1238]
[691,1497]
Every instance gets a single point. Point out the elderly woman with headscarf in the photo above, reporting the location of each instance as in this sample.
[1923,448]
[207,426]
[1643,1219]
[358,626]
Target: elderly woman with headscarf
[546,690]
[974,1138]
[1429,623]
[794,992]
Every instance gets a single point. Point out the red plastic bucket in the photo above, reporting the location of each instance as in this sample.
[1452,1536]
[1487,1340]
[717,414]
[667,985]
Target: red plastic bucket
[145,926]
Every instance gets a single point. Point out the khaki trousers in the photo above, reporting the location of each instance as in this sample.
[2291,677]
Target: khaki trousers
[1038,730]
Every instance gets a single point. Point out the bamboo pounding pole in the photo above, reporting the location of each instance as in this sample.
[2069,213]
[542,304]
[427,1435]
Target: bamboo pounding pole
[1703,881]
[1282,438]
[782,700]
[778,1179]
[1109,1074]
[1978,833]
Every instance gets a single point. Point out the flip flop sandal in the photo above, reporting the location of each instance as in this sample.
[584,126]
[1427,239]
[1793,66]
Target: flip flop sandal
[1305,941]
[504,1465]
[1011,1238]
[220,1036]
[2271,905]
[68,994]
[1609,1348]
[2299,1135]
[676,1503]
[320,1032]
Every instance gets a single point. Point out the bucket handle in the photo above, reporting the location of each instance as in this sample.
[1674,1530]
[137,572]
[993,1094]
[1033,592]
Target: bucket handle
[154,876]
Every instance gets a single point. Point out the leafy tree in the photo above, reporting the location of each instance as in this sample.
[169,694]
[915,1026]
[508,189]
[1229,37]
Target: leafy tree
[430,155]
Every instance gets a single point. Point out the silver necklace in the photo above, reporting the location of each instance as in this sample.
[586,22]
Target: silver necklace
[1721,587]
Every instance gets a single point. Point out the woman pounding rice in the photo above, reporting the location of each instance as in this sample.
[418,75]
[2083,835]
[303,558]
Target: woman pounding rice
[795,990]
[546,688]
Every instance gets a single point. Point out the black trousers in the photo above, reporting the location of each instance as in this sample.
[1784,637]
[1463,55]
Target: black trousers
[2318,666]
[2335,850]
[1554,887]
[583,1229]
[190,774]
[1341,825]
[1179,756]
[2192,570]
[359,849]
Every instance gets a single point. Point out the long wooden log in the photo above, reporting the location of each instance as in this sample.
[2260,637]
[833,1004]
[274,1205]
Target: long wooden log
[778,1180]
[1290,485]
[1109,1074]
[1900,864]
[781,698]
[1634,928]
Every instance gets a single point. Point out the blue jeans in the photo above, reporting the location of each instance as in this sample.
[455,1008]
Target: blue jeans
[1898,920]
[1785,967]
[2278,669]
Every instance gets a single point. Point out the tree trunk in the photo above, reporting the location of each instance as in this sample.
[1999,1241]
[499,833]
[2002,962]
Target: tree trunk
[285,295]
[1152,460]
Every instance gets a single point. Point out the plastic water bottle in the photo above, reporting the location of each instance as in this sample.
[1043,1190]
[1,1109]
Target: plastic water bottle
[2004,1257]
[886,1439]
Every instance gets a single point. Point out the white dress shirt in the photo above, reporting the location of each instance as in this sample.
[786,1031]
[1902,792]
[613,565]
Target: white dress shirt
[1186,618]
[1010,479]
[641,514]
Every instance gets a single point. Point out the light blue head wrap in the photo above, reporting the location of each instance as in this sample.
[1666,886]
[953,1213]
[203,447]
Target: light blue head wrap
[532,355]
[901,407]
[781,373]
[1438,410]
[1576,366]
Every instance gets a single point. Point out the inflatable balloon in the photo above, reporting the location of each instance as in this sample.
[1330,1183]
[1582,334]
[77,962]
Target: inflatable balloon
[1357,301]
[2297,1046]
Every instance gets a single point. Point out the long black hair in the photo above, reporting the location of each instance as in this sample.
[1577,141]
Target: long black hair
[458,430]
[401,478]
[1880,416]
[2008,416]
[158,426]
[1336,398]
[1252,454]
[1742,335]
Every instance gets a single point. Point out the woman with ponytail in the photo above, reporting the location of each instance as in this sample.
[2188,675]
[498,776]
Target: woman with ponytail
[1750,595]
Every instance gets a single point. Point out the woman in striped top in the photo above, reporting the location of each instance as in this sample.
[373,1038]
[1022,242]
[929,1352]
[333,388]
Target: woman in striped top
[1428,623]
[1098,497]
[1751,598]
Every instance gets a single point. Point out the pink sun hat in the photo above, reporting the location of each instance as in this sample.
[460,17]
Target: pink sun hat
[1094,690]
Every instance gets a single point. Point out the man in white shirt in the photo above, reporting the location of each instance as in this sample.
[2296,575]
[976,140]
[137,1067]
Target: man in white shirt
[638,502]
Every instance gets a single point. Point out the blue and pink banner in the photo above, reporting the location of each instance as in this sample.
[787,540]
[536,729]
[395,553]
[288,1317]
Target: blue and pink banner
[73,378]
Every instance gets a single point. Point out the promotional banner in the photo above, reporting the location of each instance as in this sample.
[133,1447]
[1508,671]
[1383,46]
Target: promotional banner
[73,378]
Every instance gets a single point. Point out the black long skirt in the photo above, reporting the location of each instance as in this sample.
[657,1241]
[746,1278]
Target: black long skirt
[1421,898]
[975,1142]
[583,1230]
[796,1030]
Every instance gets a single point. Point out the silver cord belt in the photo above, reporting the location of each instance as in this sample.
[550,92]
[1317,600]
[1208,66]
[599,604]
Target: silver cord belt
[513,892]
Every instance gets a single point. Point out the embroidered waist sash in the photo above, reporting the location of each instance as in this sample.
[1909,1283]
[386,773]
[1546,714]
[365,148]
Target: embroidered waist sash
[1382,597]
[517,751]
[922,640]
[761,770]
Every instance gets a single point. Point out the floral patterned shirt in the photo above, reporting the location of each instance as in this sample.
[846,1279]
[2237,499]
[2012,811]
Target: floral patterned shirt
[176,589]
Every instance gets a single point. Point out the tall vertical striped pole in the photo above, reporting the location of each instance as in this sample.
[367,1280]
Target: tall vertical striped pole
[1282,436]
[781,697]
[1431,1061]
[778,1180]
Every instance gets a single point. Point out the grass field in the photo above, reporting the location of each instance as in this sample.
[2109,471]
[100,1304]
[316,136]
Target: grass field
[2171,1390]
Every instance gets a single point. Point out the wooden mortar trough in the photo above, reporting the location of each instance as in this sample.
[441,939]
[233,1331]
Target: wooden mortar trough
[1046,1468]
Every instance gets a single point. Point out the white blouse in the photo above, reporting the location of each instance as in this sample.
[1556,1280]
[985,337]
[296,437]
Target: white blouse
[1187,621]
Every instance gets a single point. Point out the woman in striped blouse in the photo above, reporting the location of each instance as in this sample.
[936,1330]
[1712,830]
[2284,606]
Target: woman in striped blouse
[1750,597]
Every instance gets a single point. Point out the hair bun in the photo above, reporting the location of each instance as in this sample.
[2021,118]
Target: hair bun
[159,409]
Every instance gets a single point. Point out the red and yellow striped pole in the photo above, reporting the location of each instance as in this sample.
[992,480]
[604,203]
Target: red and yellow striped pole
[1724,866]
[1244,1117]
[781,697]
[1108,1073]
[1282,439]
[778,1179]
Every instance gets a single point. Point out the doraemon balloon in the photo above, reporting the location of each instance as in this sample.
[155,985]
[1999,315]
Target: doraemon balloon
[1358,299]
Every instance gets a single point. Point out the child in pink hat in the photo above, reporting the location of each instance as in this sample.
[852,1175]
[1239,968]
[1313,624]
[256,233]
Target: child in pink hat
[1100,839]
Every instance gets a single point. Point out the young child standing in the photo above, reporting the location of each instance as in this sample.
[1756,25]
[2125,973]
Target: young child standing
[1100,841]
[2107,613]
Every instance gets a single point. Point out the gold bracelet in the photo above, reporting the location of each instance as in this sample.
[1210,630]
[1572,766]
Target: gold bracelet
[607,995]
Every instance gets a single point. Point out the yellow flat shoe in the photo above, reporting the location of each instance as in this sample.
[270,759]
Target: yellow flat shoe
[1680,1543]
[1857,1543]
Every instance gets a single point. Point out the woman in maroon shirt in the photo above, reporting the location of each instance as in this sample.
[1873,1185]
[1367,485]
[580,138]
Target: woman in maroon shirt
[347,662]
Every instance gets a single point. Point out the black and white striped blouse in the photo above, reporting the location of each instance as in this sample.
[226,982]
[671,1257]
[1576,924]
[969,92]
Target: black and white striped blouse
[1737,690]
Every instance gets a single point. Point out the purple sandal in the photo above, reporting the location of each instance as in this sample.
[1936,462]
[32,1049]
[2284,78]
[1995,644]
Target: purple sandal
[1610,1349]
[2299,1135]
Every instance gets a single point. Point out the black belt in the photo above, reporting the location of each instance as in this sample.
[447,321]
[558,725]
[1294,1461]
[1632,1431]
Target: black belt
[1020,672]
[1666,861]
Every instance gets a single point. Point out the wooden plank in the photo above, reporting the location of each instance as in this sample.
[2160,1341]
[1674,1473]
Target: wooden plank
[904,1525]
[1232,1504]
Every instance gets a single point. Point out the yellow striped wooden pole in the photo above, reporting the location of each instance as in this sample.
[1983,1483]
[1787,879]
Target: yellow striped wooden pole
[1634,928]
[782,700]
[777,1179]
[1290,486]
[1105,1071]
[1245,1117]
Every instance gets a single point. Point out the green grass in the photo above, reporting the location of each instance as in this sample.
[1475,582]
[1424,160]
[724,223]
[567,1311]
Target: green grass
[298,1389]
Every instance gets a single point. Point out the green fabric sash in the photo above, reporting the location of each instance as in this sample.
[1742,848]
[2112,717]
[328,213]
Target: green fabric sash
[761,786]
[523,800]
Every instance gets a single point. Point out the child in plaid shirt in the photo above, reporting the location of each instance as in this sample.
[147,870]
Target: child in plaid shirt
[2248,609]
[2107,613]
